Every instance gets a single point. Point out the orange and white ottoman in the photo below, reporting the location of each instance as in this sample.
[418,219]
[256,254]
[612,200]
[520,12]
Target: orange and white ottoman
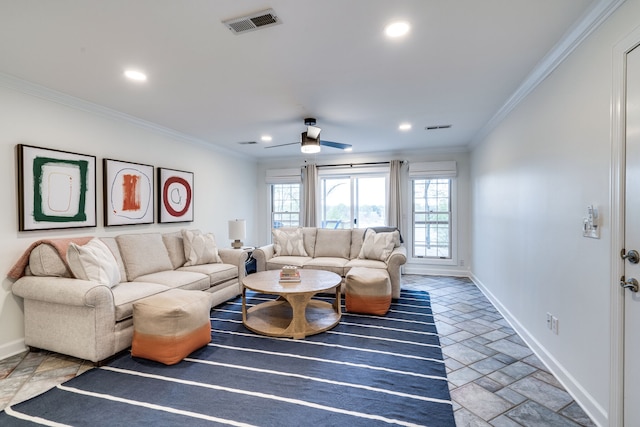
[367,290]
[169,326]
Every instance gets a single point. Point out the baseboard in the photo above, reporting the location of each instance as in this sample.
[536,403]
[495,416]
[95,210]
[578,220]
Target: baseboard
[597,413]
[435,270]
[12,348]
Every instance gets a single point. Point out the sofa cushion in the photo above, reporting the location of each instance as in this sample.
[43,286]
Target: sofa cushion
[278,262]
[357,237]
[333,243]
[218,273]
[44,260]
[288,242]
[189,280]
[143,254]
[369,263]
[113,247]
[93,261]
[309,239]
[199,248]
[175,247]
[378,246]
[126,293]
[335,265]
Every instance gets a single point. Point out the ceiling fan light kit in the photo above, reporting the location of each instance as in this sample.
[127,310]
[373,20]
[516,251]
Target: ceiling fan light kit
[311,142]
[310,145]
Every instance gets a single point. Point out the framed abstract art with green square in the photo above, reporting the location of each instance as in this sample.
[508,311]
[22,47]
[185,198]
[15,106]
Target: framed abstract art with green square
[56,189]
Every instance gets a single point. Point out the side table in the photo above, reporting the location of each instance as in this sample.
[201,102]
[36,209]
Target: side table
[250,263]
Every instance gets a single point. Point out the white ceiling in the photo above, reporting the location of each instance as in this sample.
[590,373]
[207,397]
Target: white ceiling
[329,59]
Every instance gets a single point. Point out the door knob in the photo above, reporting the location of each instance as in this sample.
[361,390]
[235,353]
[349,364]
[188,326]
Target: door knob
[629,284]
[633,256]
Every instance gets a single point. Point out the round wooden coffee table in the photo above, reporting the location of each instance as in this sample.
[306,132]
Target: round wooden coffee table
[294,313]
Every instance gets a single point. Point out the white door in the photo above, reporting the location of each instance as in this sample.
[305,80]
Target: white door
[632,242]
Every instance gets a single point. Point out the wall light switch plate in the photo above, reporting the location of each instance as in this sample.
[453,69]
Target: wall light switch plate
[590,224]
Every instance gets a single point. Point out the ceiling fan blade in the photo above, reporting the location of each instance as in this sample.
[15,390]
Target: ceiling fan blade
[332,144]
[281,145]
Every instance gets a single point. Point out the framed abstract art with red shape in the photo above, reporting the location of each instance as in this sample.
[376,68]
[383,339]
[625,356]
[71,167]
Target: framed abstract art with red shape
[175,195]
[128,193]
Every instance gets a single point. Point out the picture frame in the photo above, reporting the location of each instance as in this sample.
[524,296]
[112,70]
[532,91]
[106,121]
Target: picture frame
[127,192]
[56,189]
[175,195]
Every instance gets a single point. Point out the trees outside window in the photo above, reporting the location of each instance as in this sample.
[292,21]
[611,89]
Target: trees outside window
[353,201]
[285,205]
[431,218]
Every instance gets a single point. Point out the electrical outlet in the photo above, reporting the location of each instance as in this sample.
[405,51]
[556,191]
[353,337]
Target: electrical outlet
[549,316]
[554,324]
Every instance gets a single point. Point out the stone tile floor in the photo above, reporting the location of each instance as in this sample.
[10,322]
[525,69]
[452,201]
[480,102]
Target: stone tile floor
[494,378]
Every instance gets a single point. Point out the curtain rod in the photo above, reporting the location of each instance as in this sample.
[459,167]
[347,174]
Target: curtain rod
[353,164]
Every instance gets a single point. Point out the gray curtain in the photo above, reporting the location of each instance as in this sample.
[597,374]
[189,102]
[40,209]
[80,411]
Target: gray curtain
[310,184]
[394,204]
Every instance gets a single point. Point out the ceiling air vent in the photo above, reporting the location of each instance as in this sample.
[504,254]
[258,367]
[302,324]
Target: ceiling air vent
[247,142]
[255,21]
[437,127]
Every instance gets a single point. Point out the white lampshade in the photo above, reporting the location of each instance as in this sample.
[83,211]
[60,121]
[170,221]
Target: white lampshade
[237,232]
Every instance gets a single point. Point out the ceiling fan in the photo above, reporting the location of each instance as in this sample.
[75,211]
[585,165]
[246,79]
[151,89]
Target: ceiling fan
[311,141]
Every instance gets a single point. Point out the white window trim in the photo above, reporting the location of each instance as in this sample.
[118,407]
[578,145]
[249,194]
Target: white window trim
[454,225]
[269,190]
[351,172]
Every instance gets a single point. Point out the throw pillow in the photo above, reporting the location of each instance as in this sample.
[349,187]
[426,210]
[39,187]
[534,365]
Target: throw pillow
[199,248]
[288,242]
[143,253]
[389,229]
[93,261]
[378,246]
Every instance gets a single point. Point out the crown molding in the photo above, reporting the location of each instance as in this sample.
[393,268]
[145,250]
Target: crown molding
[574,37]
[28,88]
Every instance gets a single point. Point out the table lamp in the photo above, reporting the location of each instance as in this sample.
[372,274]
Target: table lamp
[237,231]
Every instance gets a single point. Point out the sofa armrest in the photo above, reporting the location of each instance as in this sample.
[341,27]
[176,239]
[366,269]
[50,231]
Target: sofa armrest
[64,291]
[235,257]
[262,255]
[397,258]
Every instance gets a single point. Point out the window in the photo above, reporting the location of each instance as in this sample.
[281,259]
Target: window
[431,218]
[285,205]
[354,200]
[433,206]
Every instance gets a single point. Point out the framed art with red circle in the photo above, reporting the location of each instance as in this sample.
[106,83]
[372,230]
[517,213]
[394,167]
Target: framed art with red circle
[175,195]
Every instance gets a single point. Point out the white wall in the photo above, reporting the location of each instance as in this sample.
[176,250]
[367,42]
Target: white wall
[413,266]
[224,184]
[533,178]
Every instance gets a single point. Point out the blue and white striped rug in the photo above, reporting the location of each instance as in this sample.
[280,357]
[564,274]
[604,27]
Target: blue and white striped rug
[367,371]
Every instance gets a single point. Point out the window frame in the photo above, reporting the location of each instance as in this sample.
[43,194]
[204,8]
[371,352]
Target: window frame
[453,223]
[273,212]
[351,173]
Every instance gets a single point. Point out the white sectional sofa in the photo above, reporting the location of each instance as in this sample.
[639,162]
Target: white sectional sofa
[334,250]
[92,320]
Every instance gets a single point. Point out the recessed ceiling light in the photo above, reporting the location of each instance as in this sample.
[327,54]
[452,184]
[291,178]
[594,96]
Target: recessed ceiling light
[266,138]
[397,29]
[404,126]
[135,75]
